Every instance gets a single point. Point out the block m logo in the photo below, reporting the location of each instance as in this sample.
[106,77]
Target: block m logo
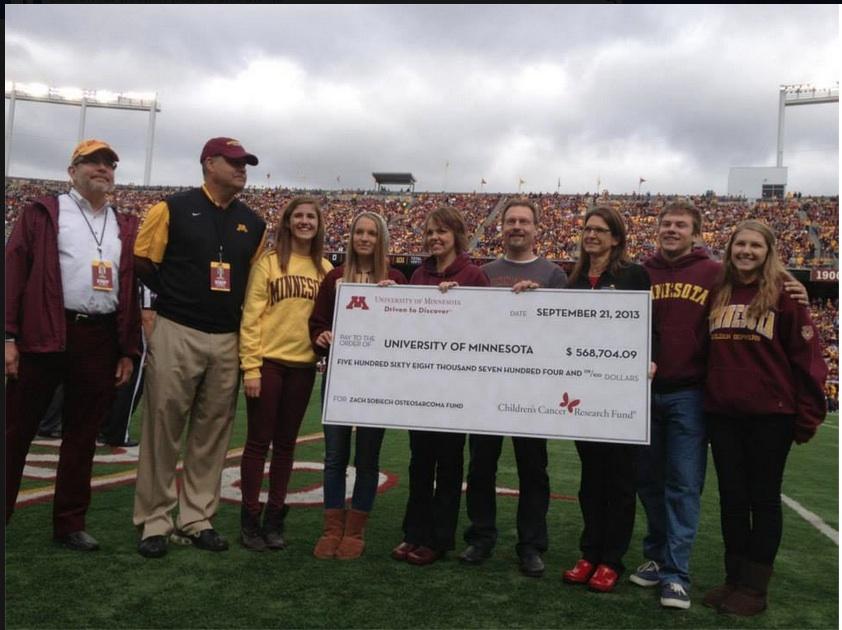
[357,301]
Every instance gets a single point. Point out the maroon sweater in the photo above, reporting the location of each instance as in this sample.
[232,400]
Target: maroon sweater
[461,270]
[322,317]
[772,366]
[34,296]
[680,302]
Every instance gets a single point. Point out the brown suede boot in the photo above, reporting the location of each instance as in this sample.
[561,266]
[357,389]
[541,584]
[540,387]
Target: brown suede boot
[715,596]
[749,598]
[352,544]
[334,525]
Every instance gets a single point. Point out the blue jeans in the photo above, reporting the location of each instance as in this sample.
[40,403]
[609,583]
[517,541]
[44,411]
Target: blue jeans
[366,462]
[671,475]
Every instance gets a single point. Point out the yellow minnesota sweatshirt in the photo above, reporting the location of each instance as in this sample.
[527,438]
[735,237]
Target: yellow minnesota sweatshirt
[276,311]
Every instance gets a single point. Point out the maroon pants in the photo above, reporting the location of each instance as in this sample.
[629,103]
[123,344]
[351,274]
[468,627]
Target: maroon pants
[275,417]
[86,368]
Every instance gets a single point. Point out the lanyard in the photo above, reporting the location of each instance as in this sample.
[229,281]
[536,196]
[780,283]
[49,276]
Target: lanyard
[98,241]
[216,224]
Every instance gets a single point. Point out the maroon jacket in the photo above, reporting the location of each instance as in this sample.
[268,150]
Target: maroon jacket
[322,317]
[773,366]
[34,297]
[462,270]
[680,303]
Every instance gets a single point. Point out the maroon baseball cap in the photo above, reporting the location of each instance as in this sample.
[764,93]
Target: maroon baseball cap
[227,147]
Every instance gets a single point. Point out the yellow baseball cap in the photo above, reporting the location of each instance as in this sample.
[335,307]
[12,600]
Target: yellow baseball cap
[87,147]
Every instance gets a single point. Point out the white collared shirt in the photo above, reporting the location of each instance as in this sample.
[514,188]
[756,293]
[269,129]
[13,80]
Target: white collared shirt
[77,249]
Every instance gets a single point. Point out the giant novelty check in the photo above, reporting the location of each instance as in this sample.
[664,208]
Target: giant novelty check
[547,363]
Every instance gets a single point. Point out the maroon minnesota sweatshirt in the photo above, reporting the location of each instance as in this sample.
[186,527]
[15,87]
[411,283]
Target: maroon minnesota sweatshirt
[772,365]
[680,301]
[461,270]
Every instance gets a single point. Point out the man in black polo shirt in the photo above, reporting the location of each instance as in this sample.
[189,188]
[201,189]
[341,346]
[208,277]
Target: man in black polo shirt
[194,250]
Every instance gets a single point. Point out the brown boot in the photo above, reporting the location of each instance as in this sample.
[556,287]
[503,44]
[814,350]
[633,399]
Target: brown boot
[749,598]
[715,596]
[352,544]
[334,525]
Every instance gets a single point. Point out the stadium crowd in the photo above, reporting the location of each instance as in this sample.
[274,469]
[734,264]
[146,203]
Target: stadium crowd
[806,227]
[825,314]
[792,219]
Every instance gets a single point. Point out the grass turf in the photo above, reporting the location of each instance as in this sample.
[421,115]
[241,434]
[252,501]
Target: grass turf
[48,587]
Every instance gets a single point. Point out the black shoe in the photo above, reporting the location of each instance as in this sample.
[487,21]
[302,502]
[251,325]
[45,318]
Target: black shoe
[153,547]
[55,434]
[273,527]
[251,536]
[474,554]
[101,441]
[531,564]
[207,539]
[78,541]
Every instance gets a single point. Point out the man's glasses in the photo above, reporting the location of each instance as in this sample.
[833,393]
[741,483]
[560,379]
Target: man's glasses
[596,230]
[97,159]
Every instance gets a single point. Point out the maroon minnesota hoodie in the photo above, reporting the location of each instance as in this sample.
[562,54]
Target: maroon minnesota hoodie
[772,365]
[460,270]
[680,302]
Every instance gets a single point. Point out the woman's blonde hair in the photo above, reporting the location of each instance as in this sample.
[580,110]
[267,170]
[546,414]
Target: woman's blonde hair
[380,270]
[771,276]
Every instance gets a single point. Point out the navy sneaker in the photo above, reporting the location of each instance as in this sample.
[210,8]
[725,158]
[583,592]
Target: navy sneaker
[673,595]
[646,574]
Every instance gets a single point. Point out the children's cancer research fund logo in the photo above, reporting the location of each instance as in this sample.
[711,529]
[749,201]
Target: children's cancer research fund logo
[565,407]
[570,405]
[357,301]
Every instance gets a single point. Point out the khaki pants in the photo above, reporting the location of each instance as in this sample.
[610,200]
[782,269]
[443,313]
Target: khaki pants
[190,375]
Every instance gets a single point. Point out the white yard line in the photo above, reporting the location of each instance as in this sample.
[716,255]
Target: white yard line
[814,519]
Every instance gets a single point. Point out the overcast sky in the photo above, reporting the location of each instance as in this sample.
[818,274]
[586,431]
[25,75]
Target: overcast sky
[453,94]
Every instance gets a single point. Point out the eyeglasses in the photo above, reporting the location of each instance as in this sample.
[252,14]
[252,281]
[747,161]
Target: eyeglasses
[595,230]
[96,159]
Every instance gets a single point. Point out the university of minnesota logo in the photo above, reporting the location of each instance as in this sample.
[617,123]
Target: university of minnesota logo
[357,301]
[241,227]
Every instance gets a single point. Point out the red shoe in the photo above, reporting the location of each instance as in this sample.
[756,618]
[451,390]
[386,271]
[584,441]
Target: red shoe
[400,552]
[603,580]
[580,574]
[421,556]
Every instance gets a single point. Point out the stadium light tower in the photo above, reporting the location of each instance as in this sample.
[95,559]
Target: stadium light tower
[801,94]
[83,99]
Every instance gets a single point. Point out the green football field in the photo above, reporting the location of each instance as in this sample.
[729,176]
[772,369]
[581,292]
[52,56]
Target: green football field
[48,587]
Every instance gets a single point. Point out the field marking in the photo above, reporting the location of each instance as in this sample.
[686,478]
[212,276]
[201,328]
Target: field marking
[119,455]
[813,519]
[38,495]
